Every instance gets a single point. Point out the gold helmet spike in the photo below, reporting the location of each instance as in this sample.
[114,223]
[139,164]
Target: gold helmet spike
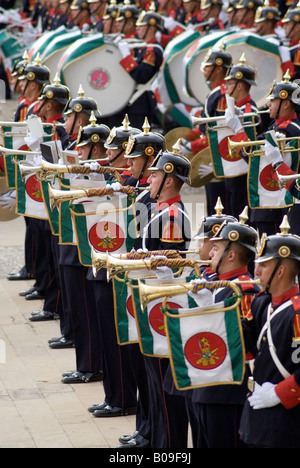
[243,60]
[284,226]
[56,80]
[80,91]
[176,146]
[93,119]
[146,126]
[287,76]
[219,207]
[126,122]
[243,218]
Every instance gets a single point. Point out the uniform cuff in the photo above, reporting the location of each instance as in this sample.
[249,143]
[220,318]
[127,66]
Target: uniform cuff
[289,392]
[128,63]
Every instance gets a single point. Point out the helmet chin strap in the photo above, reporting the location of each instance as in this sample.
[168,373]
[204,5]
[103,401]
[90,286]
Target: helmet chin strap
[117,156]
[278,110]
[143,169]
[273,274]
[73,124]
[161,187]
[223,256]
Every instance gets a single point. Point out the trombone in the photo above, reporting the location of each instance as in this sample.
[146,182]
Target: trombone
[135,261]
[150,293]
[236,145]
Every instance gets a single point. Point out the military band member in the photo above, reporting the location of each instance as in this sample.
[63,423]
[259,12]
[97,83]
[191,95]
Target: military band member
[218,408]
[238,85]
[168,228]
[266,19]
[246,11]
[80,14]
[126,20]
[91,141]
[289,52]
[97,9]
[271,412]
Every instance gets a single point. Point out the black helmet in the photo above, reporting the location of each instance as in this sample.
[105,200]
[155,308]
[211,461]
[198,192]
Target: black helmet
[238,232]
[249,4]
[128,11]
[267,13]
[19,65]
[35,72]
[242,72]
[210,225]
[292,14]
[174,164]
[220,58]
[82,104]
[111,11]
[150,18]
[282,245]
[285,90]
[145,143]
[55,91]
[80,5]
[204,4]
[92,133]
[118,136]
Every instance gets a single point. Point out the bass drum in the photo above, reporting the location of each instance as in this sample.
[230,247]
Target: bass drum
[195,84]
[42,42]
[56,47]
[262,55]
[5,214]
[93,62]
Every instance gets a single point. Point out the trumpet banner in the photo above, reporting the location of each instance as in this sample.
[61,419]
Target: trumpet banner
[11,141]
[30,201]
[53,214]
[150,321]
[105,225]
[224,163]
[206,348]
[263,188]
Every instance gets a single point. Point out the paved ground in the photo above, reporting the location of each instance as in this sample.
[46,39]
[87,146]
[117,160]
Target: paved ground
[36,409]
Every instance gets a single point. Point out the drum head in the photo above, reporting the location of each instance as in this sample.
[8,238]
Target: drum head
[173,67]
[201,158]
[95,64]
[262,55]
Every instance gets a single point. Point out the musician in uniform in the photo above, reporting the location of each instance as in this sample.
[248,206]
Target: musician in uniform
[246,11]
[214,67]
[53,99]
[168,228]
[271,412]
[80,14]
[290,52]
[97,9]
[32,78]
[238,85]
[142,64]
[266,19]
[218,408]
[126,21]
[80,321]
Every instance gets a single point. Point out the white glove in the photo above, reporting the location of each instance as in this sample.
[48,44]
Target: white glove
[204,170]
[204,297]
[264,396]
[169,23]
[94,165]
[33,142]
[280,33]
[116,186]
[272,154]
[232,121]
[124,48]
[8,200]
[284,53]
[164,273]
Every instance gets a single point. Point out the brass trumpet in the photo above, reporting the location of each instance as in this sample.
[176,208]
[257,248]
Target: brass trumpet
[235,145]
[27,169]
[49,170]
[285,179]
[150,293]
[206,120]
[119,265]
[21,152]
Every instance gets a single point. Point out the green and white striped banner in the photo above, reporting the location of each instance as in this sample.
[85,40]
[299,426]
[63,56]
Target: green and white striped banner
[206,346]
[13,138]
[105,224]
